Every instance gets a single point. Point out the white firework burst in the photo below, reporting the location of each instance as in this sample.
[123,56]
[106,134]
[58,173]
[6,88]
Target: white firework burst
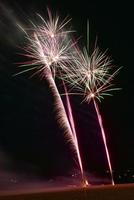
[90,75]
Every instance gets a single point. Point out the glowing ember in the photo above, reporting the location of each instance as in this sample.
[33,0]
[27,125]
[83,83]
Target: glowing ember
[92,95]
[85,183]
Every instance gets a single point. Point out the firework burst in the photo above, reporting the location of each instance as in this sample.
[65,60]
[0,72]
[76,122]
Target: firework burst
[49,46]
[91,77]
[50,50]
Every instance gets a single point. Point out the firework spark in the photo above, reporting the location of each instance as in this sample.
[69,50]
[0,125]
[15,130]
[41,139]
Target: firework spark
[50,50]
[91,77]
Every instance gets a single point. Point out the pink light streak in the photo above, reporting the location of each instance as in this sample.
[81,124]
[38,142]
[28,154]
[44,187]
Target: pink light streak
[72,123]
[104,140]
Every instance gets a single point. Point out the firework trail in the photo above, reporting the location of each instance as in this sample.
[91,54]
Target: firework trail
[71,120]
[70,114]
[50,50]
[90,76]
[104,139]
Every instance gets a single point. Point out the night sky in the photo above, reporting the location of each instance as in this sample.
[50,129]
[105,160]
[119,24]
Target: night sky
[29,134]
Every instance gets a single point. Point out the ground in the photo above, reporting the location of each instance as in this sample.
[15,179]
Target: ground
[118,192]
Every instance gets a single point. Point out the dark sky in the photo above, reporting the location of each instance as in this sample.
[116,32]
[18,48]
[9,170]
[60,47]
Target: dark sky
[29,133]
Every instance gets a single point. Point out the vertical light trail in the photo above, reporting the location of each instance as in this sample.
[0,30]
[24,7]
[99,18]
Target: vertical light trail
[69,128]
[104,140]
[59,108]
[69,109]
[71,120]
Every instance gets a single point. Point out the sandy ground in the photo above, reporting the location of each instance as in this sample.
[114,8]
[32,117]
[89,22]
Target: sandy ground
[117,192]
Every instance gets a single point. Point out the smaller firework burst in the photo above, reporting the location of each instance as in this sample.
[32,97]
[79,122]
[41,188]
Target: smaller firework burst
[91,77]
